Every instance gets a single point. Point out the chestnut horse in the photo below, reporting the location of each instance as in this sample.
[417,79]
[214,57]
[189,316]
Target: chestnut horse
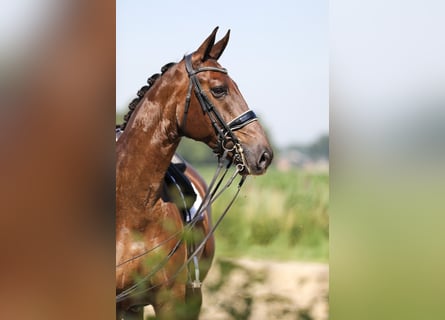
[152,256]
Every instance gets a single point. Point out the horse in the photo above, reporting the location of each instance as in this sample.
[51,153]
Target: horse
[197,99]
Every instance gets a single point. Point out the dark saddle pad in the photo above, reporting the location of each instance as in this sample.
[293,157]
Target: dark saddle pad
[180,189]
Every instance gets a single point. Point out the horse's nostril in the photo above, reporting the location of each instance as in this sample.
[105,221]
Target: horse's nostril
[264,160]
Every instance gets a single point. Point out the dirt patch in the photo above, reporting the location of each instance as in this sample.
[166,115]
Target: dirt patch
[247,289]
[255,289]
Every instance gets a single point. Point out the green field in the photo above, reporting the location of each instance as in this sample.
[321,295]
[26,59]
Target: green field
[280,215]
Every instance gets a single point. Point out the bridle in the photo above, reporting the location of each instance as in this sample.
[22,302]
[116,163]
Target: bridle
[227,141]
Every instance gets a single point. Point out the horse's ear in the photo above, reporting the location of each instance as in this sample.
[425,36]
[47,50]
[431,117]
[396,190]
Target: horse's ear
[219,47]
[204,50]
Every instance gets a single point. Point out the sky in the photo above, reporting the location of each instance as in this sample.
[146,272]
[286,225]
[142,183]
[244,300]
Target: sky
[386,67]
[278,54]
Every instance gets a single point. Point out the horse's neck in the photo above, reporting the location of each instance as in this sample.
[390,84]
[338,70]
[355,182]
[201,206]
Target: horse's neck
[144,152]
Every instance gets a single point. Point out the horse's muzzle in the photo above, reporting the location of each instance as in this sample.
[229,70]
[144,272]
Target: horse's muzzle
[259,161]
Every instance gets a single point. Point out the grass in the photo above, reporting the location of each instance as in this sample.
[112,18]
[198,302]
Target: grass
[280,215]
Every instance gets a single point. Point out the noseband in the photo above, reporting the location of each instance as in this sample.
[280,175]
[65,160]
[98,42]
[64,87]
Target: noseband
[227,141]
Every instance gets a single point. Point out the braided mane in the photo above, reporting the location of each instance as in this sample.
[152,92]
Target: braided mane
[140,94]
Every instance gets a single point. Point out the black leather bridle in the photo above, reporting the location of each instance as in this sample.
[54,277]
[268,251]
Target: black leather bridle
[227,141]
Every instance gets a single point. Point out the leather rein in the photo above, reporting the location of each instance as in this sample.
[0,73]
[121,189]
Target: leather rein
[227,141]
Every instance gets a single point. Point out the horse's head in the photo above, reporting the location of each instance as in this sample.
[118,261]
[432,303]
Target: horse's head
[216,113]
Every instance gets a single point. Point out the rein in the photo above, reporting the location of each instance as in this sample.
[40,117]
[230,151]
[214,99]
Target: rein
[210,196]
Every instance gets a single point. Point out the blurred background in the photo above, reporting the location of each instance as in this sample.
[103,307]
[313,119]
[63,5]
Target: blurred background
[387,107]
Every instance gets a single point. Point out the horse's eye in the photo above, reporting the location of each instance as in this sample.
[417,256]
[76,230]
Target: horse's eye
[219,92]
